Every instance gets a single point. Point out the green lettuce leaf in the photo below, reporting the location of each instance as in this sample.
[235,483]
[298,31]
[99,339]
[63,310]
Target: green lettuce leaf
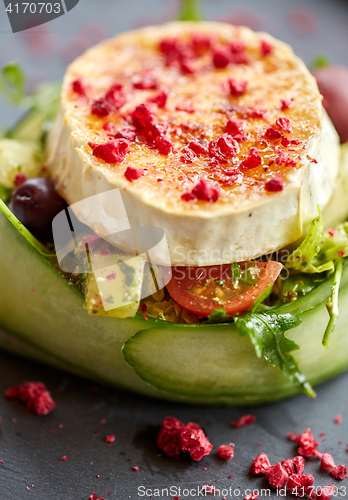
[332,302]
[12,83]
[266,332]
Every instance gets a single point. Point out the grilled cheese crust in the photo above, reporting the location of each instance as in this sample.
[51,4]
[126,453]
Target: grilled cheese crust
[265,101]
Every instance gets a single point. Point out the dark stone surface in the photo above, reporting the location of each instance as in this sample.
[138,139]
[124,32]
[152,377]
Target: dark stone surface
[31,447]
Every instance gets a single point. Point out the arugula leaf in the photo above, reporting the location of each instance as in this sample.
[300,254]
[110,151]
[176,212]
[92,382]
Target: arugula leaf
[190,10]
[218,316]
[332,302]
[266,332]
[12,83]
[24,231]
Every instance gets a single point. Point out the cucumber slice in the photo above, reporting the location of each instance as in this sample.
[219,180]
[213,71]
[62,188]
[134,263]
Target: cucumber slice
[196,363]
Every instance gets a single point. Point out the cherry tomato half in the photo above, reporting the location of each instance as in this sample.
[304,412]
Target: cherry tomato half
[202,290]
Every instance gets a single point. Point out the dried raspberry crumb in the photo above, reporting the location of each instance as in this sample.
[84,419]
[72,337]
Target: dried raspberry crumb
[307,444]
[63,459]
[201,43]
[110,439]
[272,134]
[168,438]
[187,155]
[205,191]
[94,497]
[283,159]
[234,128]
[142,116]
[256,113]
[145,82]
[284,124]
[132,173]
[143,308]
[186,106]
[260,465]
[160,99]
[188,197]
[251,496]
[226,451]
[198,147]
[128,133]
[209,489]
[300,484]
[37,398]
[266,48]
[324,493]
[19,178]
[109,128]
[135,468]
[227,145]
[79,87]
[164,144]
[336,471]
[253,160]
[286,103]
[113,100]
[294,465]
[285,142]
[338,419]
[277,476]
[244,420]
[194,441]
[275,184]
[113,151]
[237,87]
[221,57]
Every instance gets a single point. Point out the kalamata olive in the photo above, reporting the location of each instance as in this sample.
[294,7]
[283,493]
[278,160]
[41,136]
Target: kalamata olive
[333,84]
[35,203]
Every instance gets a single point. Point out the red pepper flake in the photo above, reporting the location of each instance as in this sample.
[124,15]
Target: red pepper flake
[286,103]
[135,468]
[284,124]
[338,418]
[324,493]
[164,144]
[253,160]
[300,484]
[37,398]
[186,106]
[132,173]
[272,134]
[221,57]
[275,184]
[168,438]
[198,147]
[237,87]
[234,128]
[94,497]
[283,159]
[227,145]
[260,465]
[307,444]
[160,99]
[113,100]
[19,178]
[266,48]
[194,441]
[79,87]
[336,471]
[226,451]
[113,151]
[110,439]
[277,476]
[294,465]
[251,496]
[145,82]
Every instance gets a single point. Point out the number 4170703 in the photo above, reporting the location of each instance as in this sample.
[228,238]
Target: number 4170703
[33,8]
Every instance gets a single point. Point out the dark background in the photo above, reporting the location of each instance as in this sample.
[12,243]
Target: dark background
[31,447]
